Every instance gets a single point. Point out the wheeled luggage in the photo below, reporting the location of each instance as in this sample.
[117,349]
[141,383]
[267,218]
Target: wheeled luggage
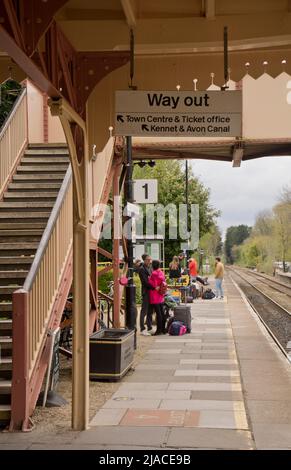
[183,313]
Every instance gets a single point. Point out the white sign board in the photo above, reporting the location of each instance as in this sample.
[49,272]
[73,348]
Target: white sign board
[170,113]
[138,251]
[155,251]
[145,191]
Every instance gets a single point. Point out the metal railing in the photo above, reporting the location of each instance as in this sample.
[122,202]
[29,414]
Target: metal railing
[47,268]
[13,138]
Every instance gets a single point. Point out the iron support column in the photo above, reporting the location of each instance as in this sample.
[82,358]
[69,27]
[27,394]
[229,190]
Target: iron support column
[130,319]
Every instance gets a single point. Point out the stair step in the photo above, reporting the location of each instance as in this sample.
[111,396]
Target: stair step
[11,205]
[6,348]
[5,329]
[6,363]
[46,177]
[29,186]
[5,386]
[20,233]
[18,249]
[29,225]
[45,159]
[46,151]
[15,216]
[18,246]
[13,274]
[21,238]
[12,277]
[5,411]
[5,342]
[53,145]
[42,169]
[20,195]
[5,307]
[15,261]
[4,290]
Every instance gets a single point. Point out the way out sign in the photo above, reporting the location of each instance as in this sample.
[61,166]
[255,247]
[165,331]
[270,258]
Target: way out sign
[145,191]
[170,113]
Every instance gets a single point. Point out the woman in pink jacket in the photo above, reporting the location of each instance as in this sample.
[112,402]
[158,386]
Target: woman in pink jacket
[157,279]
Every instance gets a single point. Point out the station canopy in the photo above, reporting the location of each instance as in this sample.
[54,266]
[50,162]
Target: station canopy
[266,127]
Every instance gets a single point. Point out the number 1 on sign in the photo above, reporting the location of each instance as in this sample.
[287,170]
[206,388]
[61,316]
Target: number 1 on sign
[146,190]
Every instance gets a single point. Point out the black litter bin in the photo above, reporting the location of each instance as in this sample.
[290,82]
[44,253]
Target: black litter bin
[111,353]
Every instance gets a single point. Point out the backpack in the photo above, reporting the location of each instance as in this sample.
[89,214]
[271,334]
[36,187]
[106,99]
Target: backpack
[163,288]
[208,294]
[177,328]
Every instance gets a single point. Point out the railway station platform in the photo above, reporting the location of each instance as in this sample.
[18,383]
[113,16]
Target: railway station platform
[224,386]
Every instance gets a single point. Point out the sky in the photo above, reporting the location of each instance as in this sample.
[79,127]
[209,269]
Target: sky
[241,193]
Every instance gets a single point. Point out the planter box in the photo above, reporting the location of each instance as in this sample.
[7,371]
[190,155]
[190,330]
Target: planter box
[111,353]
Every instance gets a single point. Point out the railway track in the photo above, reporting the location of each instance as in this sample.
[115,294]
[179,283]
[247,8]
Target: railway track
[271,282]
[275,317]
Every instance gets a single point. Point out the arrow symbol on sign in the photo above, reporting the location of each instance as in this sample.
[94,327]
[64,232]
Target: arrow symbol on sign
[144,127]
[120,118]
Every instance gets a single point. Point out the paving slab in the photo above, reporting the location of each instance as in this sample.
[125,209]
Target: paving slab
[209,373]
[201,405]
[216,395]
[223,419]
[154,394]
[129,435]
[143,386]
[130,402]
[277,436]
[108,417]
[210,438]
[270,412]
[205,386]
[168,418]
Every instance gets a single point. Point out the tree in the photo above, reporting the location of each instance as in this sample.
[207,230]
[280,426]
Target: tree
[171,189]
[235,235]
[263,224]
[282,218]
[211,242]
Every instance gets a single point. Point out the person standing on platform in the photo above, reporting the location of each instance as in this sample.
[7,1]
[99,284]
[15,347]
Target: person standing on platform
[193,269]
[175,268]
[144,272]
[157,296]
[219,275]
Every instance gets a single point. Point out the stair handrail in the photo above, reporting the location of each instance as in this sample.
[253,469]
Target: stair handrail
[38,306]
[13,139]
[48,231]
[13,111]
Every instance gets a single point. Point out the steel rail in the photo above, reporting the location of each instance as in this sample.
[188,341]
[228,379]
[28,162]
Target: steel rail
[271,281]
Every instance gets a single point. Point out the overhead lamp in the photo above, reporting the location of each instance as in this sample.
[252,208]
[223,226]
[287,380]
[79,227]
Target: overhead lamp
[141,164]
[178,87]
[265,64]
[152,163]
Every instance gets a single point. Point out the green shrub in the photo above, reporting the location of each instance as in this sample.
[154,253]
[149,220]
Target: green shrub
[138,296]
[104,280]
[9,91]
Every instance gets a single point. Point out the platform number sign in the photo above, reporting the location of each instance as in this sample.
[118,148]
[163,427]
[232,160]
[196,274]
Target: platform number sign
[145,191]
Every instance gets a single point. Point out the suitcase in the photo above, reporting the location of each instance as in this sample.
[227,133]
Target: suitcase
[183,313]
[193,291]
